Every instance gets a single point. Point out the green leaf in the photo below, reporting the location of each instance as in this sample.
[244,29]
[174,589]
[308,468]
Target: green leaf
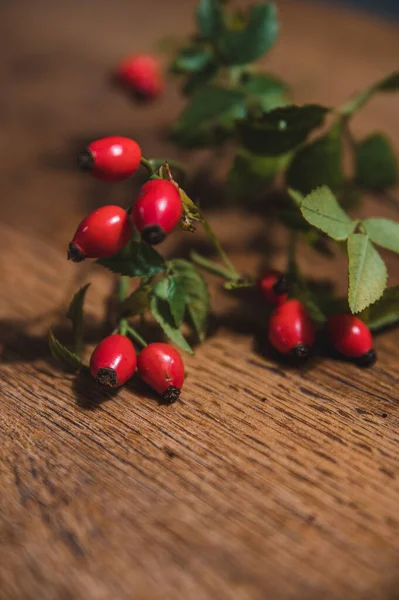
[367,273]
[135,260]
[211,267]
[137,302]
[321,209]
[60,352]
[188,291]
[161,311]
[383,232]
[388,84]
[248,42]
[251,174]
[280,130]
[375,161]
[385,312]
[75,314]
[191,60]
[209,103]
[318,163]
[269,91]
[209,16]
[199,79]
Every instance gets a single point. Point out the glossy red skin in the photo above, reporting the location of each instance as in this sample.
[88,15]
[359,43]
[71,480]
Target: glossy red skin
[115,352]
[158,203]
[161,366]
[349,335]
[104,232]
[265,285]
[290,326]
[141,74]
[114,158]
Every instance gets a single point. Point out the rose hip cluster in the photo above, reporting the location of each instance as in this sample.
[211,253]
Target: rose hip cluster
[106,231]
[291,330]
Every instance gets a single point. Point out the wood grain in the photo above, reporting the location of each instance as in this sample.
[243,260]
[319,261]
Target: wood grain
[265,481]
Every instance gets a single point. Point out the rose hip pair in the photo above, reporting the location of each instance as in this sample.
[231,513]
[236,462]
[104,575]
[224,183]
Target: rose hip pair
[114,361]
[291,330]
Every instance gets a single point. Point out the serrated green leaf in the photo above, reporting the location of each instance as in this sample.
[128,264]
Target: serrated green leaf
[280,130]
[137,302]
[248,42]
[367,273]
[188,291]
[321,209]
[318,163]
[135,260]
[191,60]
[60,352]
[251,173]
[388,84]
[161,311]
[209,16]
[75,314]
[210,103]
[375,162]
[383,232]
[384,312]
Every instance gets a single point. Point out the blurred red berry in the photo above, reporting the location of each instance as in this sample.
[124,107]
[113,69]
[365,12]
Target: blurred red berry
[351,337]
[157,210]
[142,75]
[113,361]
[104,232]
[291,330]
[162,368]
[111,158]
[273,287]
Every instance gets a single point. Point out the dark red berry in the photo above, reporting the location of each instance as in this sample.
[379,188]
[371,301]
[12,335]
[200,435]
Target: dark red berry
[291,330]
[351,337]
[111,158]
[157,210]
[104,232]
[113,361]
[273,286]
[161,366]
[142,75]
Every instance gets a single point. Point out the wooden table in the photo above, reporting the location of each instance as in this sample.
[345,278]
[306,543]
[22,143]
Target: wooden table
[264,482]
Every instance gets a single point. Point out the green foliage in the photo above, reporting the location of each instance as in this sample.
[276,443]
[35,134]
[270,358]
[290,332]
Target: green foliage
[280,130]
[246,42]
[199,79]
[161,310]
[388,84]
[251,174]
[385,312]
[375,161]
[383,232]
[267,91]
[367,273]
[321,209]
[137,259]
[318,163]
[75,315]
[191,60]
[209,16]
[137,302]
[61,353]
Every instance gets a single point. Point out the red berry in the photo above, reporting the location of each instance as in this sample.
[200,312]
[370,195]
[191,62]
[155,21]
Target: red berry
[104,232]
[111,158]
[351,337]
[291,329]
[161,366]
[273,286]
[113,361]
[142,75]
[157,210]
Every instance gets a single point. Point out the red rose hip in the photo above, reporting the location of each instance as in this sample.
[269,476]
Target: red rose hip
[351,337]
[113,361]
[142,75]
[157,210]
[162,368]
[111,158]
[273,286]
[104,232]
[291,330]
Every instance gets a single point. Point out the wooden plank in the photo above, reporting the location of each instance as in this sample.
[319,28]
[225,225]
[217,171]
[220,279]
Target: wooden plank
[265,481]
